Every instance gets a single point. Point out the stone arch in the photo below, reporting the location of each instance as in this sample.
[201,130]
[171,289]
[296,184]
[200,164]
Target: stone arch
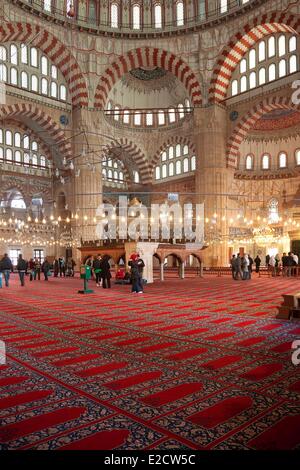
[60,55]
[28,112]
[248,121]
[171,141]
[176,255]
[147,57]
[241,42]
[135,154]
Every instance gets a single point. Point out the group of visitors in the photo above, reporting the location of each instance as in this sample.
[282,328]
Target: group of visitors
[35,267]
[241,266]
[99,265]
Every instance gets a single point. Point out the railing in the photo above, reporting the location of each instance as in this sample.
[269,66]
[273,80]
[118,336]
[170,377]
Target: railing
[214,12]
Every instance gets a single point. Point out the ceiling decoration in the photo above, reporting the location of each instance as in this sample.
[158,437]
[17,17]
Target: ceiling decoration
[150,74]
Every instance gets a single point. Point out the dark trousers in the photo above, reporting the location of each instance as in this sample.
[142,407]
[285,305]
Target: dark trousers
[22,277]
[106,282]
[137,285]
[37,273]
[98,278]
[62,272]
[6,274]
[46,275]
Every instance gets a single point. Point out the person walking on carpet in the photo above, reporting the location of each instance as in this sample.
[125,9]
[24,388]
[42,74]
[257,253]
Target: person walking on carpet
[21,267]
[137,265]
[46,268]
[7,268]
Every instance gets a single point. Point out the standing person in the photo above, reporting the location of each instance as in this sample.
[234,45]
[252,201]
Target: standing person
[268,260]
[272,265]
[97,269]
[257,262]
[21,267]
[31,269]
[37,269]
[284,264]
[105,272]
[137,265]
[277,261]
[62,267]
[289,264]
[245,267]
[7,268]
[73,264]
[232,264]
[46,268]
[56,267]
[250,265]
[238,267]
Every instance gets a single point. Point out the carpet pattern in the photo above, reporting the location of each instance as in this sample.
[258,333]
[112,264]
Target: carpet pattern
[195,364]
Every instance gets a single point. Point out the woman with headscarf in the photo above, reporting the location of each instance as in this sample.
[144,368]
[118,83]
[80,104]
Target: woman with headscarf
[245,267]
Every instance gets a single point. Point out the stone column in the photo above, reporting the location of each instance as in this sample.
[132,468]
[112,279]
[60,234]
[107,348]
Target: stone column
[162,274]
[182,272]
[213,179]
[87,176]
[146,251]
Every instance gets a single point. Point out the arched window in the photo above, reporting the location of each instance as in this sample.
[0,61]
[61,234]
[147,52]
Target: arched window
[44,65]
[44,86]
[13,54]
[265,162]
[157,173]
[3,54]
[3,73]
[54,71]
[164,171]
[292,44]
[243,84]
[178,151]
[33,57]
[157,16]
[262,76]
[172,115]
[272,72]
[17,139]
[117,113]
[8,155]
[186,165]
[136,17]
[92,12]
[252,80]
[126,116]
[13,76]
[243,66]
[24,80]
[136,177]
[293,64]
[170,153]
[179,14]
[161,117]
[47,5]
[252,59]
[178,167]
[24,54]
[262,51]
[297,156]
[8,138]
[249,162]
[271,46]
[137,118]
[171,169]
[63,92]
[281,45]
[193,163]
[149,119]
[42,161]
[114,15]
[223,6]
[181,111]
[54,89]
[234,88]
[17,157]
[282,68]
[282,160]
[34,83]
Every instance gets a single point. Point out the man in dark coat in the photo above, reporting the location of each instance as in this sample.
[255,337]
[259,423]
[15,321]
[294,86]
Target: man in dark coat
[105,272]
[7,268]
[22,267]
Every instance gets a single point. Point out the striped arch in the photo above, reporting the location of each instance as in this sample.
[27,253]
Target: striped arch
[248,121]
[147,57]
[29,113]
[172,141]
[241,42]
[55,50]
[136,157]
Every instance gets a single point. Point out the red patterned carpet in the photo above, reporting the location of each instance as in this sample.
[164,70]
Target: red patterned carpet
[200,364]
